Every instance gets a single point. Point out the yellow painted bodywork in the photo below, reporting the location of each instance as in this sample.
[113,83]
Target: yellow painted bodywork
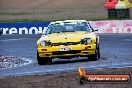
[67,37]
[71,37]
[49,51]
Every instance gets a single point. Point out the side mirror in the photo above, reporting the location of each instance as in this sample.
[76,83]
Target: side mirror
[95,29]
[40,33]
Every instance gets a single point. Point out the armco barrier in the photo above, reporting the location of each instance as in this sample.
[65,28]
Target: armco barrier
[111,26]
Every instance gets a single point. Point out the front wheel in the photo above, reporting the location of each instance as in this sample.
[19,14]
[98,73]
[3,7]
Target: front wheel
[43,60]
[0,33]
[95,56]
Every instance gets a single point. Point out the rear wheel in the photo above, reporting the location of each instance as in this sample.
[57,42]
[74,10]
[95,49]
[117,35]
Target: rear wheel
[43,60]
[95,56]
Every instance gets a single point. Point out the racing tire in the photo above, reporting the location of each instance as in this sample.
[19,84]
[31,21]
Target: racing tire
[0,33]
[95,56]
[43,60]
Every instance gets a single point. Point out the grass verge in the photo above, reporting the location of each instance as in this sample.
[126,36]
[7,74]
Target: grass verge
[40,20]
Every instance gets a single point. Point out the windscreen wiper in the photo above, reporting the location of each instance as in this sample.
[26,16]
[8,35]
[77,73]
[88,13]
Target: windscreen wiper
[61,32]
[67,31]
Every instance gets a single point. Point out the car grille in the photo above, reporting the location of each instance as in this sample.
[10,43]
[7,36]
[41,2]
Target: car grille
[66,52]
[65,44]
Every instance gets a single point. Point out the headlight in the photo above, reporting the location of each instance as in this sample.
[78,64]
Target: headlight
[44,43]
[86,41]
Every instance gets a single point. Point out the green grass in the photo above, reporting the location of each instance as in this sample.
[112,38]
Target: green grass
[40,20]
[24,20]
[17,14]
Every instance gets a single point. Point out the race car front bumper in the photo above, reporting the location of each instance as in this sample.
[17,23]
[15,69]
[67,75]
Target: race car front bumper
[66,51]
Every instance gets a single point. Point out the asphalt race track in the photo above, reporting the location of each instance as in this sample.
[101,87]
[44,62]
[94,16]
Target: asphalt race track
[116,51]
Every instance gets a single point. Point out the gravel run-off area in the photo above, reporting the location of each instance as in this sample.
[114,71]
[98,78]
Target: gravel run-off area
[63,80]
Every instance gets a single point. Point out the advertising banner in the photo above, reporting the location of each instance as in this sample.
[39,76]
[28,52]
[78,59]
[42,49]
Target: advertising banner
[111,26]
[23,27]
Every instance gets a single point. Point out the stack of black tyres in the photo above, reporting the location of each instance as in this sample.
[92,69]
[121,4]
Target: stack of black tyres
[119,13]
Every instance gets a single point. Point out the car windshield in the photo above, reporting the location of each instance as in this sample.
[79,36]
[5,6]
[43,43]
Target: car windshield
[69,27]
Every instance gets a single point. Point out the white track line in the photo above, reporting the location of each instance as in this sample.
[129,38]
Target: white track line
[120,65]
[13,39]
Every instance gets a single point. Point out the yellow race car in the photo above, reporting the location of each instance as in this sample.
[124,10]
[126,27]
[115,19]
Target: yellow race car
[67,39]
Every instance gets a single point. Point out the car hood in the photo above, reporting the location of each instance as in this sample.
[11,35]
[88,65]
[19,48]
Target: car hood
[67,36]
